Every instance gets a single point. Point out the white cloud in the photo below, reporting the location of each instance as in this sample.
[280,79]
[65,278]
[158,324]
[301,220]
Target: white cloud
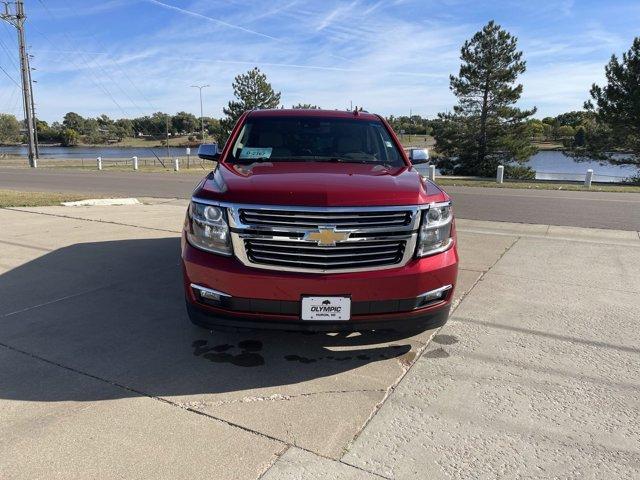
[200,16]
[372,53]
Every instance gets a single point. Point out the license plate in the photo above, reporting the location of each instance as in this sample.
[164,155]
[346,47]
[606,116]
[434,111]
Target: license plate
[326,308]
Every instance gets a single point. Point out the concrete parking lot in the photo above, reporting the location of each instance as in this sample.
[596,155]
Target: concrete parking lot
[102,375]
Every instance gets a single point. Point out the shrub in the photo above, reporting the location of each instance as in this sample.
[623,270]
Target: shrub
[519,172]
[635,180]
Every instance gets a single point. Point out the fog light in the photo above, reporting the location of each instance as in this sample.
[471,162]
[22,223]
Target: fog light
[208,294]
[433,295]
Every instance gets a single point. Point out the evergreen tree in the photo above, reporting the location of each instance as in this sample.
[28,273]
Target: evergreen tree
[252,91]
[617,110]
[485,128]
[580,138]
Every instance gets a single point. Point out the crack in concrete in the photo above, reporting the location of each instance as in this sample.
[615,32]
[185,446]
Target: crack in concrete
[93,220]
[602,241]
[178,405]
[83,292]
[276,397]
[66,297]
[277,457]
[32,247]
[568,284]
[419,352]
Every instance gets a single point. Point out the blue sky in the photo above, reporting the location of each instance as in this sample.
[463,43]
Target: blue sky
[133,57]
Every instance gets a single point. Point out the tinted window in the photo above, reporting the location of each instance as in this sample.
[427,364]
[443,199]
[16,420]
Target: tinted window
[316,140]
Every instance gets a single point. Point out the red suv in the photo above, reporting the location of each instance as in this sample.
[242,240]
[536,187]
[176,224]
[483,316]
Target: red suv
[316,220]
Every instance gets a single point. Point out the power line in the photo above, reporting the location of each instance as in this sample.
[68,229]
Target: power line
[10,77]
[116,64]
[95,63]
[11,58]
[90,73]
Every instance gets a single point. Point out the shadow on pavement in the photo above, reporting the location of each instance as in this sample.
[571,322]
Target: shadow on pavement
[115,310]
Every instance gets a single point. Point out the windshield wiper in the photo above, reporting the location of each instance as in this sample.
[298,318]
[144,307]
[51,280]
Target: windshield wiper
[350,160]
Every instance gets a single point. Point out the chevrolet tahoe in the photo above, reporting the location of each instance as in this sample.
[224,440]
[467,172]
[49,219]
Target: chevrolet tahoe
[317,220]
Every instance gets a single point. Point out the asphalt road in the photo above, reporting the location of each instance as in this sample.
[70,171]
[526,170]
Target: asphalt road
[619,211]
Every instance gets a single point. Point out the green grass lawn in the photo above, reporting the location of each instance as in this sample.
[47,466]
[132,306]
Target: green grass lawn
[197,166]
[13,198]
[444,181]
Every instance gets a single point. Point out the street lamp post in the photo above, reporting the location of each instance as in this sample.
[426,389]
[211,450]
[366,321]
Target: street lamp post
[200,87]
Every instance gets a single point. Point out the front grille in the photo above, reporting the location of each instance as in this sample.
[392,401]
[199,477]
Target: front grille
[313,219]
[291,238]
[307,255]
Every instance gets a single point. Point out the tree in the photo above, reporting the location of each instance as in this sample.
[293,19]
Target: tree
[9,128]
[69,137]
[183,122]
[74,121]
[615,137]
[485,129]
[48,133]
[213,128]
[574,119]
[305,106]
[125,126]
[158,124]
[565,131]
[252,91]
[93,134]
[580,137]
[535,128]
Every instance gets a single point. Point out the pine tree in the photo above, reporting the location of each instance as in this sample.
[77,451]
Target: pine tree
[580,137]
[252,91]
[485,128]
[616,136]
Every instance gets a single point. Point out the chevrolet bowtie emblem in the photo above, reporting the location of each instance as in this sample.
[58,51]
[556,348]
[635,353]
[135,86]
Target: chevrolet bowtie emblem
[326,236]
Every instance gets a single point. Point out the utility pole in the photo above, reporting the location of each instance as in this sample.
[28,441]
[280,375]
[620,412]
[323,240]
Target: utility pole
[410,123]
[35,119]
[200,87]
[17,19]
[167,139]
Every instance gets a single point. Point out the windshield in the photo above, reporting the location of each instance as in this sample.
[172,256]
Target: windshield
[282,139]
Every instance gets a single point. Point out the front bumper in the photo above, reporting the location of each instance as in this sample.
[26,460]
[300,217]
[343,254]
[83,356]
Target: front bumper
[381,299]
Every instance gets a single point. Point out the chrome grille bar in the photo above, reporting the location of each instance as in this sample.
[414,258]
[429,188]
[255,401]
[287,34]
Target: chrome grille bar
[293,219]
[324,265]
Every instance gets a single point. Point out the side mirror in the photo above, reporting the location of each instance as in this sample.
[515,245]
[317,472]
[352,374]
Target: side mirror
[209,151]
[419,155]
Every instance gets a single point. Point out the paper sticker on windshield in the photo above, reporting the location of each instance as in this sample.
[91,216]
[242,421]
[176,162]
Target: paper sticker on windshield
[255,152]
[388,144]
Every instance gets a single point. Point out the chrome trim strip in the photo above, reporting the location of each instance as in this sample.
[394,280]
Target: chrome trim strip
[339,255]
[235,220]
[324,265]
[209,290]
[437,290]
[263,242]
[252,206]
[275,236]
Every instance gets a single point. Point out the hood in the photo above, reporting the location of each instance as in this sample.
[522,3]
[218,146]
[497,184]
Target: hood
[317,184]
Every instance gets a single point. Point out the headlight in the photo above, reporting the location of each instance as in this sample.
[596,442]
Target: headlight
[207,228]
[435,229]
